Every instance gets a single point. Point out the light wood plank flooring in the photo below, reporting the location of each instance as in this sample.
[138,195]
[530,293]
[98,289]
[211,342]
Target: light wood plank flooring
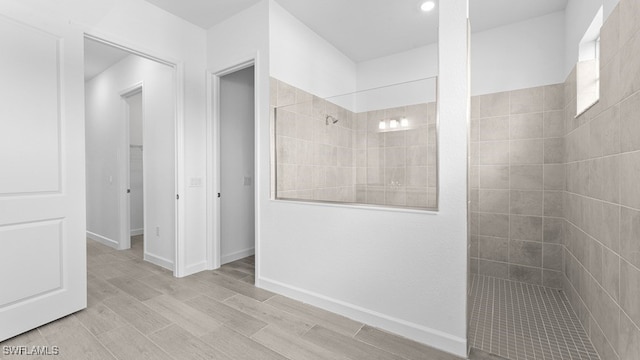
[137,310]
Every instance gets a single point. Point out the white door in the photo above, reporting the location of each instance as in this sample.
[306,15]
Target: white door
[42,184]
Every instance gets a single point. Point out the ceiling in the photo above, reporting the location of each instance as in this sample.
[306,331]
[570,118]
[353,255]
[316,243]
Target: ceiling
[367,29]
[361,29]
[99,57]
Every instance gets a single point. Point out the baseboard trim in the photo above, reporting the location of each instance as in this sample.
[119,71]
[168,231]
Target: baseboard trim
[103,240]
[158,260]
[425,335]
[224,259]
[136,232]
[195,268]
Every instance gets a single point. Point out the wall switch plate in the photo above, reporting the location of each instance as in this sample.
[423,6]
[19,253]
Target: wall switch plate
[195,182]
[247,181]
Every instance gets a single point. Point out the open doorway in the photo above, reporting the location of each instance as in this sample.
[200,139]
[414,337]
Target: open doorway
[135,206]
[130,118]
[232,166]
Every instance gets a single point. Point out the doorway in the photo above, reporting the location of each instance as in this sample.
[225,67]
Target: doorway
[232,134]
[131,153]
[135,206]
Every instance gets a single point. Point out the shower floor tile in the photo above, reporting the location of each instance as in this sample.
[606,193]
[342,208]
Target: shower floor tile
[520,321]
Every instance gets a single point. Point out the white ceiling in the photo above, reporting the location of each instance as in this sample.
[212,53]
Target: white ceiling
[361,29]
[367,29]
[99,57]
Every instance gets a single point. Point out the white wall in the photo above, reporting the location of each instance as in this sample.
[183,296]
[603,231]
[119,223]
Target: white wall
[401,270]
[302,58]
[237,205]
[521,55]
[106,164]
[400,70]
[136,165]
[578,16]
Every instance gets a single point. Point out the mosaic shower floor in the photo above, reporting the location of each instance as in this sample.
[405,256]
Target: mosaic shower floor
[520,321]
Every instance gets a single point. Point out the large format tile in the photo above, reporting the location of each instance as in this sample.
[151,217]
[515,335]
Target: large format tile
[127,343]
[181,344]
[349,346]
[316,315]
[137,314]
[188,318]
[400,346]
[294,347]
[74,341]
[237,346]
[235,319]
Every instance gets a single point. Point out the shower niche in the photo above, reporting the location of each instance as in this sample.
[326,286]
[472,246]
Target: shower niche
[376,147]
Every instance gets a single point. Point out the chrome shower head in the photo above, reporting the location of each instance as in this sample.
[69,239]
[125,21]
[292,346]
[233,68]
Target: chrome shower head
[330,119]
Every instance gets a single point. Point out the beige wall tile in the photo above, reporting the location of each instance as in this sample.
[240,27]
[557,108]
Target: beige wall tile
[553,204]
[525,228]
[629,82]
[526,152]
[629,339]
[630,235]
[496,225]
[629,14]
[629,175]
[494,104]
[553,178]
[494,153]
[610,37]
[494,177]
[492,248]
[493,268]
[630,291]
[527,100]
[553,230]
[553,150]
[526,202]
[553,124]
[552,279]
[630,123]
[528,253]
[526,274]
[526,126]
[494,128]
[526,177]
[494,201]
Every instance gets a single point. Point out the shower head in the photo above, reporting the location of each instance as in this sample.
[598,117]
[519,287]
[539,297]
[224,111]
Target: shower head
[330,119]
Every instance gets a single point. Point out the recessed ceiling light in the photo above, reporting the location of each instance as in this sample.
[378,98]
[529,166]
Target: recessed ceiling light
[427,6]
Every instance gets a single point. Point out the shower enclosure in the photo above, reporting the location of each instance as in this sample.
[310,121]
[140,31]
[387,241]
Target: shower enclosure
[373,147]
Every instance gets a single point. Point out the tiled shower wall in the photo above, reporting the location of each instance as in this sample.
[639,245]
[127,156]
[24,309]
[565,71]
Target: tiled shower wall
[352,161]
[397,167]
[602,198]
[315,160]
[517,179]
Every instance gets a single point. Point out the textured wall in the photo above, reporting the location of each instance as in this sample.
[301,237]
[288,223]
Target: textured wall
[353,160]
[602,198]
[517,178]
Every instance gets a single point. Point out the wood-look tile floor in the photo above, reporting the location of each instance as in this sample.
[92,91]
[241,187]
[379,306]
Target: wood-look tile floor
[137,310]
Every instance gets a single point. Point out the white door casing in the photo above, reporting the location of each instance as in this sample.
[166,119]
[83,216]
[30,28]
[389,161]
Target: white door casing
[42,185]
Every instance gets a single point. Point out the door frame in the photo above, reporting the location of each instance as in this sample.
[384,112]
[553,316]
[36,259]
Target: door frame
[213,157]
[179,165]
[124,200]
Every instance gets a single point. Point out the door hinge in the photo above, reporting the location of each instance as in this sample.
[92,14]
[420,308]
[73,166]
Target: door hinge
[177,197]
[128,191]
[218,194]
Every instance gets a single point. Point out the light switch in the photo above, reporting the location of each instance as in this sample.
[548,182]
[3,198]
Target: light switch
[247,181]
[195,182]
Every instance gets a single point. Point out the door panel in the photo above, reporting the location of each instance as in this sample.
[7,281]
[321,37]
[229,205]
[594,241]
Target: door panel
[30,113]
[42,211]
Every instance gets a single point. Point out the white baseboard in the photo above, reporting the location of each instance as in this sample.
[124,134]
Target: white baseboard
[224,259]
[195,268]
[160,261]
[103,240]
[136,232]
[431,337]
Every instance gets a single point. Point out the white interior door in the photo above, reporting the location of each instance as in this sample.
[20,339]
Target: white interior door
[42,186]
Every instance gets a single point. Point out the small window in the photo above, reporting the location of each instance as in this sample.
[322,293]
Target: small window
[588,67]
